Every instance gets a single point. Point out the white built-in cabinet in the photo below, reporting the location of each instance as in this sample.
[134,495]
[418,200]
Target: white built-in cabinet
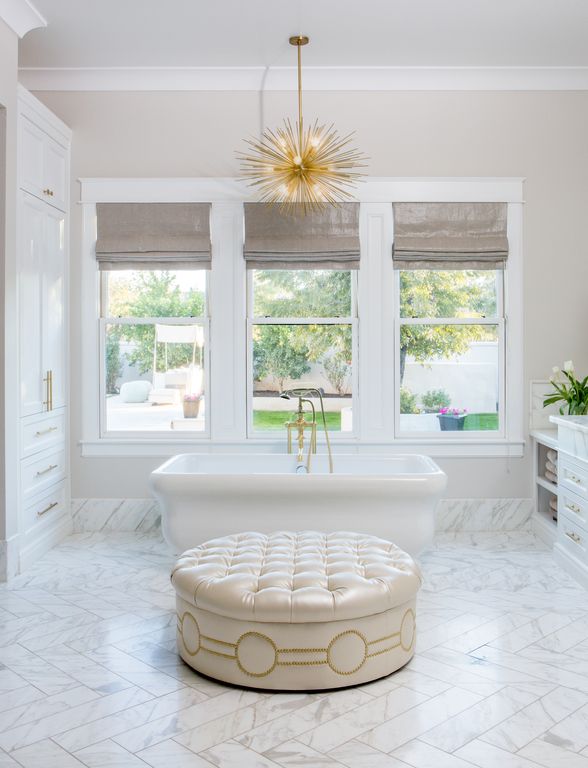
[42,284]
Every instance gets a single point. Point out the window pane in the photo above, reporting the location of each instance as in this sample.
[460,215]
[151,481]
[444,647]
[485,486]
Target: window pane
[451,293]
[449,378]
[154,377]
[287,356]
[152,293]
[301,293]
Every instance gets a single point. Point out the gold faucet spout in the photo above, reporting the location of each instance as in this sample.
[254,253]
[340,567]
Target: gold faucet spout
[301,424]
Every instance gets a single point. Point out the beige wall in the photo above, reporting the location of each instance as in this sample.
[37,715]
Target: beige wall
[8,85]
[541,136]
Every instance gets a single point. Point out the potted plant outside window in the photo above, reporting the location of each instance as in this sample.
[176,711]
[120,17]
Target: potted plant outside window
[452,419]
[191,406]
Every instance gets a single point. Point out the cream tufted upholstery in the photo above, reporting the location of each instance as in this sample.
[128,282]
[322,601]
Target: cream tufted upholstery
[316,604]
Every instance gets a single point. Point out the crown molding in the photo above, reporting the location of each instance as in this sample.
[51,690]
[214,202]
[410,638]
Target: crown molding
[21,16]
[315,78]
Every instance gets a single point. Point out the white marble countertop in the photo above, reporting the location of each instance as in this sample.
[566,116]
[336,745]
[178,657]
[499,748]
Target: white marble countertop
[572,422]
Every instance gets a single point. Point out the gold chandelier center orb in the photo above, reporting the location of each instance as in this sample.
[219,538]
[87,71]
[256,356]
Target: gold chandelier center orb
[309,167]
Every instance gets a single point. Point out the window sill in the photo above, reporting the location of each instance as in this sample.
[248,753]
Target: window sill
[160,448]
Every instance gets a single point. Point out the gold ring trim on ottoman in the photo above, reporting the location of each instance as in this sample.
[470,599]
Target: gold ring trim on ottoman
[277,662]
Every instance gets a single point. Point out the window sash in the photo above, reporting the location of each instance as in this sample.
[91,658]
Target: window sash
[167,434]
[500,321]
[350,320]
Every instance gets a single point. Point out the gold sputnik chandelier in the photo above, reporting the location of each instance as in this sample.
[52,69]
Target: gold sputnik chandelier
[307,165]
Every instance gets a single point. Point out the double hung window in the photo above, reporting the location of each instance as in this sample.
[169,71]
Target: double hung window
[302,330]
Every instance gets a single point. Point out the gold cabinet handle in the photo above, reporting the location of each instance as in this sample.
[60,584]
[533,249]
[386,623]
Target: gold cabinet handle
[42,432]
[574,537]
[48,380]
[49,469]
[47,509]
[573,508]
[574,479]
[48,192]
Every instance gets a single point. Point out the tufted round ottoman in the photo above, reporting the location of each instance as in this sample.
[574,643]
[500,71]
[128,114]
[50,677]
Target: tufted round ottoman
[296,611]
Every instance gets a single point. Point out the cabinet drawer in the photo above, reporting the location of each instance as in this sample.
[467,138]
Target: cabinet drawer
[40,434]
[573,475]
[41,471]
[47,506]
[574,507]
[572,538]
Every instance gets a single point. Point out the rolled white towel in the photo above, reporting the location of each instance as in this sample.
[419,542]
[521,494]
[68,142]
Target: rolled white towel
[551,467]
[550,476]
[553,504]
[552,455]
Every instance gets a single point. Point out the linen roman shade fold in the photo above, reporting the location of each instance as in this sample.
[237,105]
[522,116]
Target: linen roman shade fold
[450,236]
[153,236]
[325,239]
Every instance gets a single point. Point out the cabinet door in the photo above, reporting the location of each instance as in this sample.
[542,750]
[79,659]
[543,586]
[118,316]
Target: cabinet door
[54,176]
[32,228]
[31,157]
[54,304]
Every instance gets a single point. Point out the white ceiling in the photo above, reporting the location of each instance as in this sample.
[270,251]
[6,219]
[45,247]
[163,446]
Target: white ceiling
[354,33]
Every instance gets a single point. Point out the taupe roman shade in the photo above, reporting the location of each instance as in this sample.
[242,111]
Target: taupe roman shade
[450,236]
[326,239]
[153,236]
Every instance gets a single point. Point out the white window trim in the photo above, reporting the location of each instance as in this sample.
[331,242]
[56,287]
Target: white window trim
[374,405]
[498,321]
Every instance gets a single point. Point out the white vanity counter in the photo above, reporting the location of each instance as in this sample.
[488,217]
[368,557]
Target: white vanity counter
[571,547]
[572,435]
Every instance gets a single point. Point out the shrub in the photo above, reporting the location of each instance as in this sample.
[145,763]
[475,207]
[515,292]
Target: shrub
[435,400]
[407,401]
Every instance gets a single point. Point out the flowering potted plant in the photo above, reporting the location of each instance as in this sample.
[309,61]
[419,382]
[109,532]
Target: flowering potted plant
[572,391]
[451,419]
[192,406]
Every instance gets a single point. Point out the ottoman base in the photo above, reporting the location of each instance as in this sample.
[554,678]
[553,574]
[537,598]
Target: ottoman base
[297,656]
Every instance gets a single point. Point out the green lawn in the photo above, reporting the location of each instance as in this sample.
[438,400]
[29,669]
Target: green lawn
[277,419]
[481,421]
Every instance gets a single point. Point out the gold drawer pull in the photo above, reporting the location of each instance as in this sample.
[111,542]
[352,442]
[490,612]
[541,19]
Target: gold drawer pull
[574,537]
[47,509]
[42,432]
[574,479]
[48,192]
[574,508]
[49,469]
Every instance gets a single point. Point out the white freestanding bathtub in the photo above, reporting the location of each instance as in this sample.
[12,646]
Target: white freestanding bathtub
[205,496]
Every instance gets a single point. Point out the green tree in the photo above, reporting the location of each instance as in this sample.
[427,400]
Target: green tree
[303,293]
[449,294]
[278,353]
[154,294]
[113,361]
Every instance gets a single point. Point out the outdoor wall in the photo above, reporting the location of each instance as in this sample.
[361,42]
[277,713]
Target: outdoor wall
[8,87]
[538,135]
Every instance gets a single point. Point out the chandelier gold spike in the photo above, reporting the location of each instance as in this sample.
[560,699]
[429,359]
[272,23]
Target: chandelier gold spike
[309,167]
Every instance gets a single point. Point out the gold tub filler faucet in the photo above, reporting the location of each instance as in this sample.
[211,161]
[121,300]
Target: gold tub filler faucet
[301,424]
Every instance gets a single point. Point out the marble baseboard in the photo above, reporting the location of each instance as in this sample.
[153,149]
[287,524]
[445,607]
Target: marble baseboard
[452,515]
[8,558]
[484,515]
[90,515]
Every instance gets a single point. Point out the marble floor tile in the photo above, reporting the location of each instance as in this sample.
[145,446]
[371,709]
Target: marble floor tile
[357,754]
[468,725]
[552,755]
[409,725]
[484,755]
[170,754]
[537,718]
[89,675]
[421,755]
